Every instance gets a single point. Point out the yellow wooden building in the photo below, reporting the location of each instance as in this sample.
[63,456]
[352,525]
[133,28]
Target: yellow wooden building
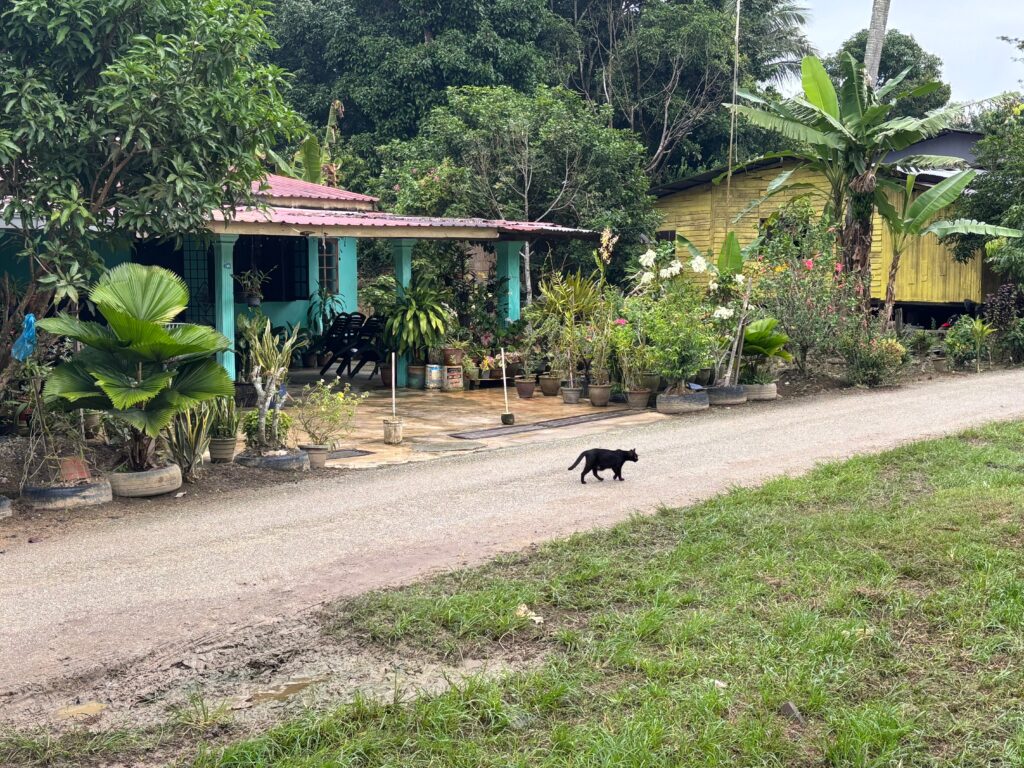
[702,211]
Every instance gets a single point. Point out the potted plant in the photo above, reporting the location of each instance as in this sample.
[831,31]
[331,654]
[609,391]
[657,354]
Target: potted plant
[599,336]
[680,347]
[187,439]
[633,356]
[454,350]
[326,416]
[487,364]
[136,370]
[416,325]
[526,383]
[224,430]
[252,282]
[470,369]
[762,345]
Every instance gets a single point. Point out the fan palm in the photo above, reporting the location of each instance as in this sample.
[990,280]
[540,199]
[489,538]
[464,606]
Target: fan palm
[846,135]
[136,368]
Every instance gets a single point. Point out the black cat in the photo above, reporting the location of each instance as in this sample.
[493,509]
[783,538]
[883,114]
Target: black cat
[602,458]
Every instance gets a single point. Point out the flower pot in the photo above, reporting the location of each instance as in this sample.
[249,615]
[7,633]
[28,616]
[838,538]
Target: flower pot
[940,365]
[252,300]
[91,421]
[471,373]
[571,395]
[309,360]
[435,357]
[728,395]
[73,469]
[549,384]
[322,358]
[293,461]
[508,419]
[453,356]
[684,403]
[89,495]
[637,398]
[761,391]
[485,374]
[385,374]
[151,482]
[651,381]
[434,376]
[525,388]
[393,431]
[317,455]
[600,395]
[222,449]
[416,376]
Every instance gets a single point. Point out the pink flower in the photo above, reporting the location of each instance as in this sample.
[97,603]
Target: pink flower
[839,268]
[622,321]
[809,263]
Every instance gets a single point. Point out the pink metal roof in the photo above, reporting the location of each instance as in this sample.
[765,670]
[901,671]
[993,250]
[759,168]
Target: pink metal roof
[282,186]
[317,219]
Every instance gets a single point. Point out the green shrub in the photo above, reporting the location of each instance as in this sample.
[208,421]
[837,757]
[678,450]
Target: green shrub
[959,342]
[279,424]
[187,437]
[920,342]
[873,355]
[1011,342]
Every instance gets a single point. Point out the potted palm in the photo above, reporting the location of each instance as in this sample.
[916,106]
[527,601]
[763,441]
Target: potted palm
[762,346]
[416,325]
[224,430]
[326,416]
[136,370]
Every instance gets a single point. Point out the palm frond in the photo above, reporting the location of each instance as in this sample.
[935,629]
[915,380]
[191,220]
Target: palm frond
[148,293]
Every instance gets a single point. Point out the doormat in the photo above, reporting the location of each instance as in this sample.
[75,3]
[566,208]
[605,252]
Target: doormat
[347,453]
[481,434]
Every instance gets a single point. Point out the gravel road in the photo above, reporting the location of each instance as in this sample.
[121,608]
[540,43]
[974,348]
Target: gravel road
[113,591]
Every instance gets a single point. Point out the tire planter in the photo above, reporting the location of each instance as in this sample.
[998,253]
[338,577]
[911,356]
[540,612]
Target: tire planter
[761,391]
[549,385]
[685,403]
[285,462]
[600,395]
[637,399]
[571,395]
[317,455]
[435,376]
[726,395]
[89,495]
[152,482]
[222,449]
[416,377]
[525,388]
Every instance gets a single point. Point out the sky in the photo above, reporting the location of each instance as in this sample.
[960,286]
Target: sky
[965,35]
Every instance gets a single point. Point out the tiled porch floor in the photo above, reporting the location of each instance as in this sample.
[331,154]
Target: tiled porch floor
[430,418]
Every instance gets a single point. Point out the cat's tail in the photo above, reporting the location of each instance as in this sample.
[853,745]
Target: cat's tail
[578,460]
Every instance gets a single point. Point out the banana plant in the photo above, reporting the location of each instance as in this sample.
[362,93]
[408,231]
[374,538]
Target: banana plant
[135,368]
[913,217]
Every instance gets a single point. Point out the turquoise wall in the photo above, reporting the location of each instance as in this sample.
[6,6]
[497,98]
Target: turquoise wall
[280,312]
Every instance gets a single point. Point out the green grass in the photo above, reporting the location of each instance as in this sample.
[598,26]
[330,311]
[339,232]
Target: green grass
[883,596]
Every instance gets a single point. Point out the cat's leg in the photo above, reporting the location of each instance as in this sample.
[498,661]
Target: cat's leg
[583,476]
[597,475]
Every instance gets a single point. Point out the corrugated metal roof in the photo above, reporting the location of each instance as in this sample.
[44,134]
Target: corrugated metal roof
[282,186]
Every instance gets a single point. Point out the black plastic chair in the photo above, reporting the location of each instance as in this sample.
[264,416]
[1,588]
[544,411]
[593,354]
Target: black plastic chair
[368,348]
[340,338]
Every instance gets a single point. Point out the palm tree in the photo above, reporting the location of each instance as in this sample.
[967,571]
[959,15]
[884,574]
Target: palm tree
[876,39]
[846,135]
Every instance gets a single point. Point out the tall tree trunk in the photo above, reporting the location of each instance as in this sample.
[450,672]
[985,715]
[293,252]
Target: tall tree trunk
[858,234]
[890,286]
[876,38]
[527,277]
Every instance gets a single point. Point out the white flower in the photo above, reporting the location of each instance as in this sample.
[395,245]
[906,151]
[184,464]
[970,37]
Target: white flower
[712,286]
[646,277]
[699,264]
[739,278]
[665,273]
[647,259]
[724,313]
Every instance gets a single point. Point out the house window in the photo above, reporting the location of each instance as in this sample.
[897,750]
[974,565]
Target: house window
[285,260]
[665,235]
[329,266]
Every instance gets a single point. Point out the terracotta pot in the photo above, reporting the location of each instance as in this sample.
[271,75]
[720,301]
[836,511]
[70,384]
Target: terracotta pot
[322,358]
[73,469]
[508,419]
[571,395]
[600,395]
[637,398]
[385,374]
[726,395]
[684,403]
[317,455]
[283,462]
[151,482]
[549,384]
[393,431]
[453,356]
[525,388]
[97,492]
[416,376]
[222,449]
[761,391]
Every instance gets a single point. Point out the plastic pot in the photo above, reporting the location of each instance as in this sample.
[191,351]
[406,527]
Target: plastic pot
[222,449]
[416,377]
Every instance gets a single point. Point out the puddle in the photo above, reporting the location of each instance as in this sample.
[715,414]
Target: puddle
[284,691]
[81,711]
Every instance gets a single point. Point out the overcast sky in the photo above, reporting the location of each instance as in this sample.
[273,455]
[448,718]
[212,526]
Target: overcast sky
[963,34]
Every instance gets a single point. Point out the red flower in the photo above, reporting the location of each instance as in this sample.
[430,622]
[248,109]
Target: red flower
[839,268]
[622,321]
[809,263]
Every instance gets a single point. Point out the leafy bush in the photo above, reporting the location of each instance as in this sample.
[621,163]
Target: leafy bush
[960,343]
[276,435]
[187,437]
[920,342]
[326,415]
[762,345]
[873,355]
[1003,307]
[1011,342]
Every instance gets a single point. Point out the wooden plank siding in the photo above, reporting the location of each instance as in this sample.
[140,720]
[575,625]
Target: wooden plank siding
[928,272]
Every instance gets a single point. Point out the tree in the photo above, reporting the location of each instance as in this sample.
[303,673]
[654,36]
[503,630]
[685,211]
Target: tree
[120,117]
[875,39]
[900,52]
[497,153]
[845,136]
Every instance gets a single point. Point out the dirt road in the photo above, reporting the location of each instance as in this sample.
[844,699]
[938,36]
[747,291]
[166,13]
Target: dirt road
[110,592]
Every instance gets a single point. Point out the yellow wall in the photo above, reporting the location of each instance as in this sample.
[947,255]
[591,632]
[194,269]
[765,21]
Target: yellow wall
[928,272]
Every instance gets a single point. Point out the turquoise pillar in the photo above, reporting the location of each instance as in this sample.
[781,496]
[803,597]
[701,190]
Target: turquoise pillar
[224,295]
[401,253]
[508,270]
[348,274]
[313,261]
